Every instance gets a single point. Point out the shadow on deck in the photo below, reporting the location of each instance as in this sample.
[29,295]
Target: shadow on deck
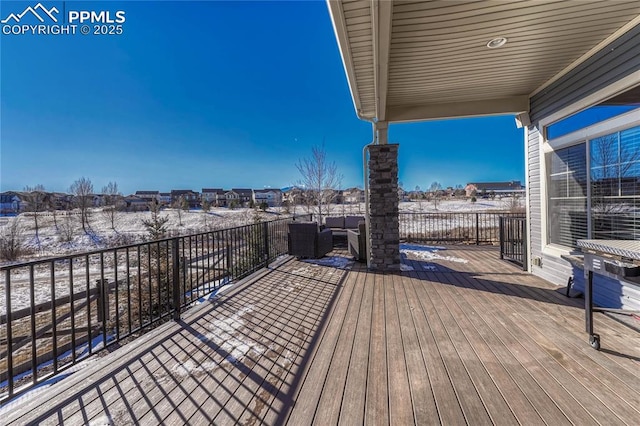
[460,337]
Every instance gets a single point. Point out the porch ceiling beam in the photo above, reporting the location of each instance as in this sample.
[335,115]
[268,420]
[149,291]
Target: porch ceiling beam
[510,105]
[381,16]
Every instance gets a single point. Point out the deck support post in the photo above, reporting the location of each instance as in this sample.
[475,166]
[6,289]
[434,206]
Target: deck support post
[384,230]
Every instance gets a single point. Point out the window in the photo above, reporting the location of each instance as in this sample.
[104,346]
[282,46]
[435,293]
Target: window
[567,189]
[611,206]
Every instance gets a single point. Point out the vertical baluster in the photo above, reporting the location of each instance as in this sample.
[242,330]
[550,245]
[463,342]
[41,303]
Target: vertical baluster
[7,291]
[87,279]
[54,329]
[128,269]
[34,351]
[72,311]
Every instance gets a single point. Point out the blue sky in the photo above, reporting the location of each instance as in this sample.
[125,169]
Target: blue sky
[209,94]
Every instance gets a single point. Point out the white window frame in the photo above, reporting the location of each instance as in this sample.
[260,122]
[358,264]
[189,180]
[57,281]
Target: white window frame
[615,124]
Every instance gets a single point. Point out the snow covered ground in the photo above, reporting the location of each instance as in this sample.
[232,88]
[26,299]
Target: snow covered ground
[129,226]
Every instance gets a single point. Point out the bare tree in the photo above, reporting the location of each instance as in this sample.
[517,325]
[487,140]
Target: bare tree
[36,198]
[112,198]
[179,205]
[320,178]
[513,204]
[11,240]
[82,190]
[435,189]
[611,165]
[66,228]
[420,198]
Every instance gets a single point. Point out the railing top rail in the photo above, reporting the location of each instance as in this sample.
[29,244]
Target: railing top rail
[491,212]
[70,256]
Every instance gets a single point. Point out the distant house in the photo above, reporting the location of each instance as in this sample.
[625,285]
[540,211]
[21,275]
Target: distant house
[231,197]
[135,204]
[273,197]
[96,200]
[498,188]
[338,196]
[10,203]
[244,195]
[61,201]
[164,198]
[214,196]
[193,198]
[295,196]
[353,195]
[148,195]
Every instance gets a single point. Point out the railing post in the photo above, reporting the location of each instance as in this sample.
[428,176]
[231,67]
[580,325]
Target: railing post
[103,300]
[525,254]
[9,341]
[175,282]
[228,258]
[265,233]
[477,229]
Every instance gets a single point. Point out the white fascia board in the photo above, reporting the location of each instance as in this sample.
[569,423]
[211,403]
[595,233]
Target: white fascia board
[340,30]
[381,24]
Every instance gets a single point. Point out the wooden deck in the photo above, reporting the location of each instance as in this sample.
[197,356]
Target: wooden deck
[454,343]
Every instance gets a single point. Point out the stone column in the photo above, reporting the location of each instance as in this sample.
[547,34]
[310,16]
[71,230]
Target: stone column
[384,228]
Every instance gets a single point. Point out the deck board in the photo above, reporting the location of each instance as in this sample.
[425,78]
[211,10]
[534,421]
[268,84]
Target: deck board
[473,342]
[422,399]
[446,400]
[376,401]
[353,398]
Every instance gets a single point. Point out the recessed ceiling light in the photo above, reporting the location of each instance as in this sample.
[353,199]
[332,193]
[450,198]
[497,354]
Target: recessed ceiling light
[497,42]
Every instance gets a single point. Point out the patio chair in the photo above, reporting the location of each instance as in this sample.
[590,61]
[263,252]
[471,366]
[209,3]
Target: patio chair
[307,241]
[357,242]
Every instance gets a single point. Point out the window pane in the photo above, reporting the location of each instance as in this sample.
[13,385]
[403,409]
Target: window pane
[567,189]
[615,185]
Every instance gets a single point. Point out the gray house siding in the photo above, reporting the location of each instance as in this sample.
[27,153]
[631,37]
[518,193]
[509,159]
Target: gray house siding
[617,60]
[552,269]
[535,207]
[609,293]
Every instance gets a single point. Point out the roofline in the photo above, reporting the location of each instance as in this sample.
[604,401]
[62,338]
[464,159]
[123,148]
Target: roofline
[340,30]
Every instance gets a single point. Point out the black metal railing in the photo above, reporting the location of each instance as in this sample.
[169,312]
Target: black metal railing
[513,239]
[61,310]
[452,227]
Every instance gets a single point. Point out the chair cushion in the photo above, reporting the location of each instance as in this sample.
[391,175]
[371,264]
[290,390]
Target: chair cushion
[351,222]
[334,222]
[303,226]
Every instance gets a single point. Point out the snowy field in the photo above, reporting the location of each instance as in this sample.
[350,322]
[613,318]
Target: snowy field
[129,229]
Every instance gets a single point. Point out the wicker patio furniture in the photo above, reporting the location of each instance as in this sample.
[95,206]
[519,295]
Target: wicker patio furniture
[357,242]
[307,241]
